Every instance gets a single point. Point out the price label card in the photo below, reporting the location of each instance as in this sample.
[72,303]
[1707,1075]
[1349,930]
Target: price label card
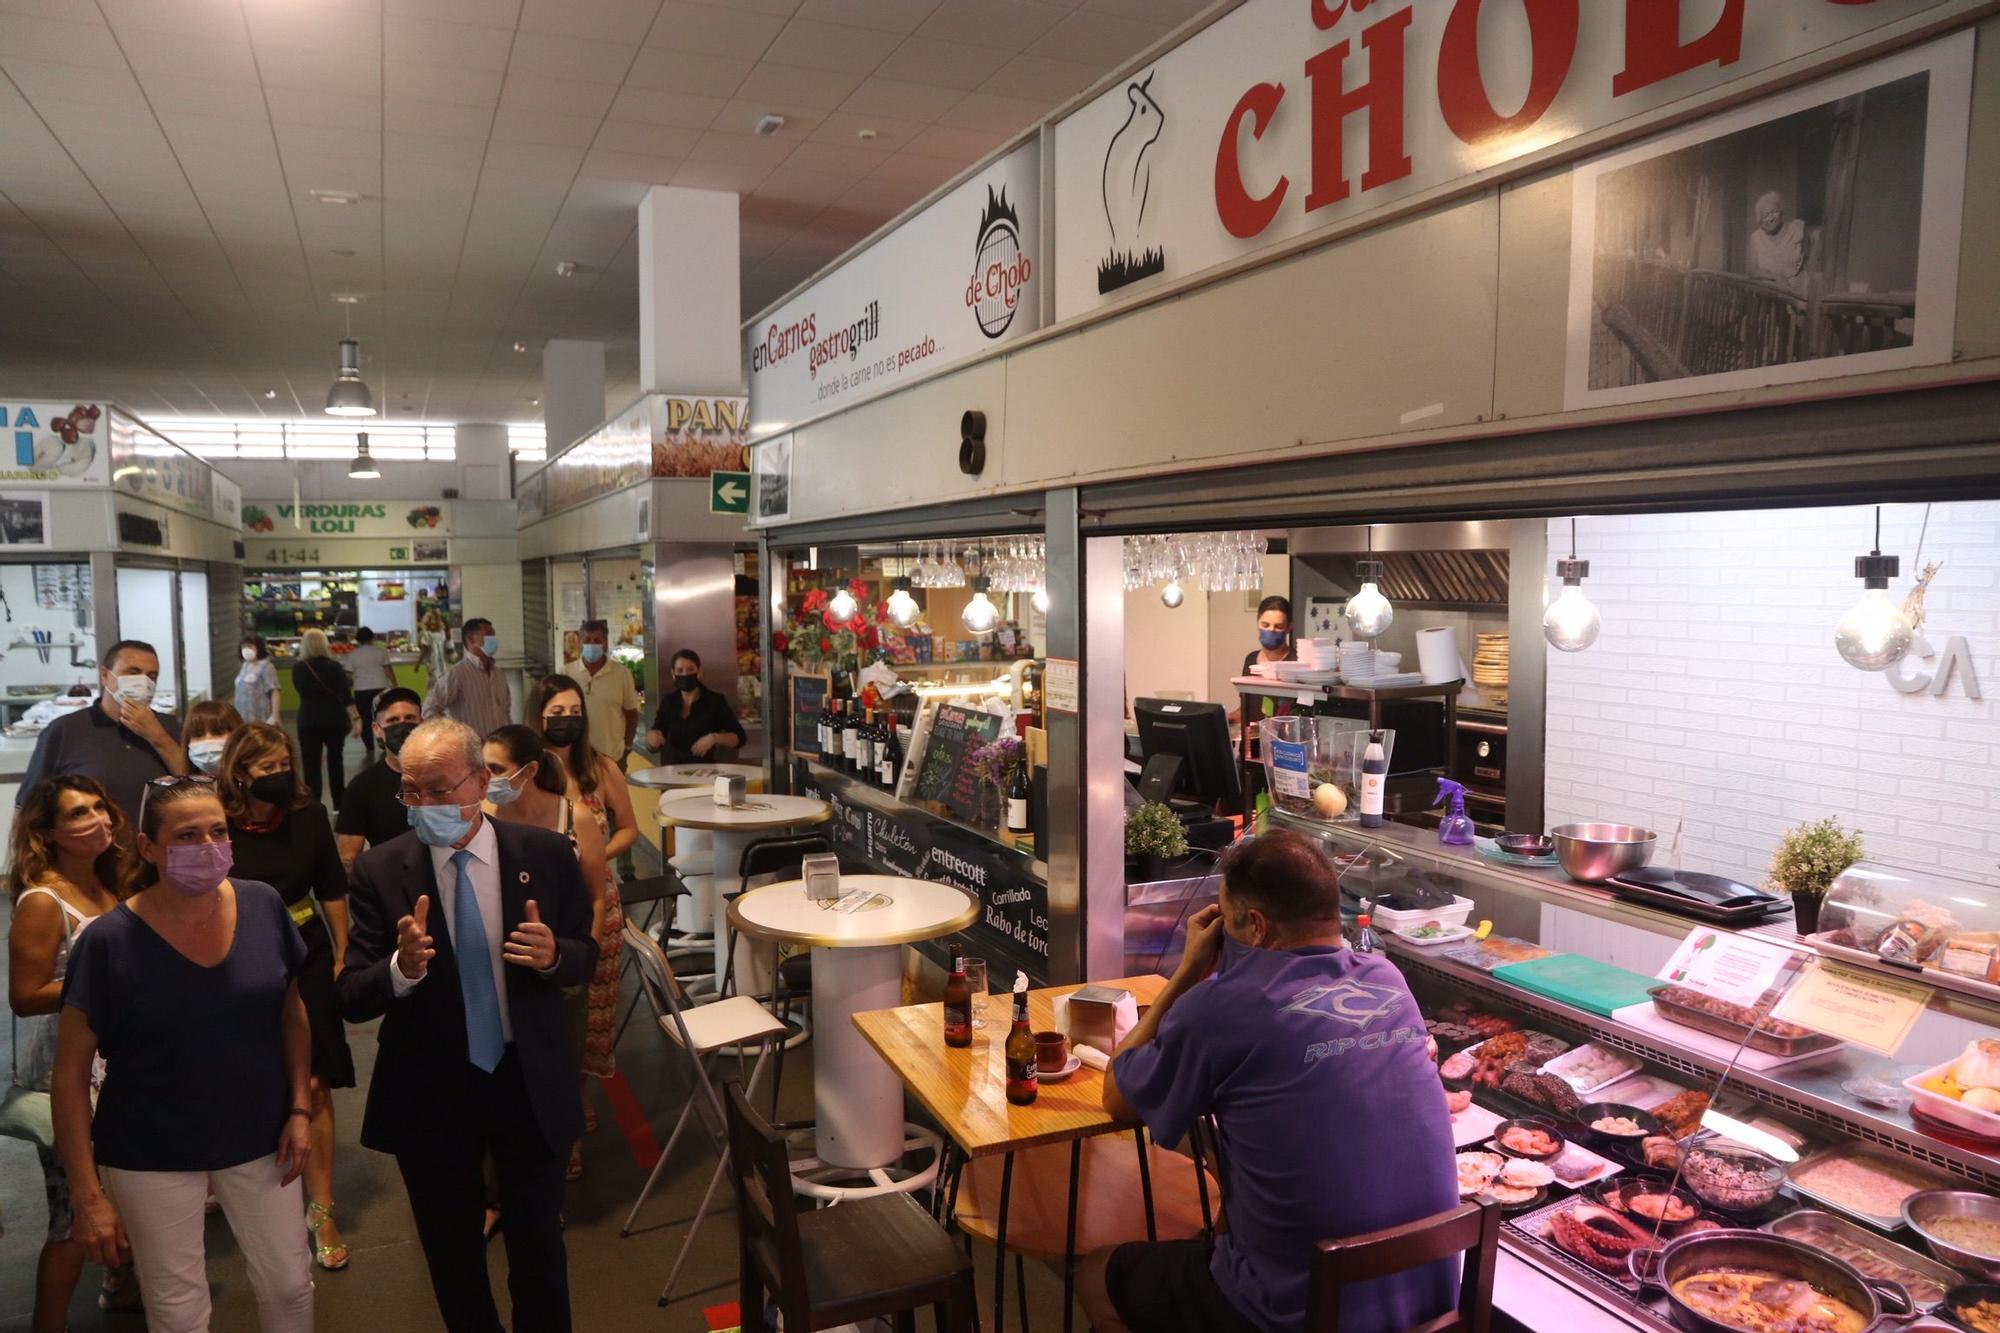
[1868,1010]
[1059,685]
[1733,968]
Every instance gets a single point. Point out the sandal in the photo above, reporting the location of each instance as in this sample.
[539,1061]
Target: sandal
[332,1258]
[120,1293]
[575,1171]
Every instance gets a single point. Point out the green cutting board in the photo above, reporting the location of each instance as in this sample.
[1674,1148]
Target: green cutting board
[1583,982]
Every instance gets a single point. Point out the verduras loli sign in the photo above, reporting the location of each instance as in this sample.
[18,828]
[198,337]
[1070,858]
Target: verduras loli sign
[1285,117]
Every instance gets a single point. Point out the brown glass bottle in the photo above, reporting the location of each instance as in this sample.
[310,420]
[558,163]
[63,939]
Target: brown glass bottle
[1022,1081]
[957,1002]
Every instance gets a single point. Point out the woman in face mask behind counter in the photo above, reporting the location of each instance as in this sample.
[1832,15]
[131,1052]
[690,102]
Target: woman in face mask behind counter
[281,836]
[694,722]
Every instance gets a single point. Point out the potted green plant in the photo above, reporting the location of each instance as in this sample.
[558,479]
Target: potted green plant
[1153,838]
[1808,859]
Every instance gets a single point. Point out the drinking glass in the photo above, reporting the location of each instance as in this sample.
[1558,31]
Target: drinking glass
[975,981]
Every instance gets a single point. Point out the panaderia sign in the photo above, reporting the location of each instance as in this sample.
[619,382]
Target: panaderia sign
[1285,117]
[952,280]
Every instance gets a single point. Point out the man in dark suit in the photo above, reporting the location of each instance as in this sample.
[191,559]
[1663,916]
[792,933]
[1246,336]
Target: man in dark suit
[461,937]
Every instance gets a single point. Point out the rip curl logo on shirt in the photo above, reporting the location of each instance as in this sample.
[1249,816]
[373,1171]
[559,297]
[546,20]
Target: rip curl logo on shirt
[1346,1001]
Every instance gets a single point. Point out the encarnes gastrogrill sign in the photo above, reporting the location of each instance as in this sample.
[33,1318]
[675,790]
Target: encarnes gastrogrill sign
[1284,117]
[948,282]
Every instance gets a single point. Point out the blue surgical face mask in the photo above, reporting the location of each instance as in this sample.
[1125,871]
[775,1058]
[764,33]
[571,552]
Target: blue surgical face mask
[439,825]
[492,645]
[502,791]
[593,652]
[1271,638]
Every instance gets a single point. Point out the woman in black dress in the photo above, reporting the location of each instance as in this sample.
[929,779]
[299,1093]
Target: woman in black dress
[328,714]
[281,836]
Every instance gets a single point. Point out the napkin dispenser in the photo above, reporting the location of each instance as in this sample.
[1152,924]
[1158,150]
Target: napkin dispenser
[1097,1016]
[731,793]
[821,872]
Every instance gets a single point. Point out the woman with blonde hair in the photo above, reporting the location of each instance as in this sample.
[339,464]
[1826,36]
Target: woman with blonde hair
[67,861]
[189,988]
[281,836]
[328,714]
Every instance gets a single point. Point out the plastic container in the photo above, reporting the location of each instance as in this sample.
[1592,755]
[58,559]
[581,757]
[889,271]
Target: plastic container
[1454,915]
[1947,1110]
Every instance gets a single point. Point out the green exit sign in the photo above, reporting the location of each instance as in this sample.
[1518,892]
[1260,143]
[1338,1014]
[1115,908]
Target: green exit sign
[729,492]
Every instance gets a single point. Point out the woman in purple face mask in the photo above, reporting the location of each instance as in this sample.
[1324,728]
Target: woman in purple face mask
[189,989]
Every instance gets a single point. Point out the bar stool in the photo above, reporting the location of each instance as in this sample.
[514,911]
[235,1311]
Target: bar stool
[1472,1229]
[878,1257]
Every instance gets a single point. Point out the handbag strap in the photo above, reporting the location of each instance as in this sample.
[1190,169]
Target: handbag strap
[14,1019]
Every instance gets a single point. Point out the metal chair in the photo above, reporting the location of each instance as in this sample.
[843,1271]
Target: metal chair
[869,1258]
[767,861]
[703,1033]
[1472,1229]
[651,891]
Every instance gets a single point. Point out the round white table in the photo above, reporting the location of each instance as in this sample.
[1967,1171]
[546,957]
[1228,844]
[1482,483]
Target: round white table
[694,923]
[857,960]
[731,829]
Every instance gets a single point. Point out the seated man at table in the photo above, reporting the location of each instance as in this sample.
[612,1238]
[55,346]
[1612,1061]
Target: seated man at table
[1312,1059]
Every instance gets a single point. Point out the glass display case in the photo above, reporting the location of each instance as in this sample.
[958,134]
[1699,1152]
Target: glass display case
[1943,928]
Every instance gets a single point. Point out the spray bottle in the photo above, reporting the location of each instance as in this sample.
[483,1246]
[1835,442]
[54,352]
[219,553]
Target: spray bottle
[1456,830]
[1374,775]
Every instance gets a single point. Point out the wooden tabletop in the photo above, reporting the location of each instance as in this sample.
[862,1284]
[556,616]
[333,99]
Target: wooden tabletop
[965,1089]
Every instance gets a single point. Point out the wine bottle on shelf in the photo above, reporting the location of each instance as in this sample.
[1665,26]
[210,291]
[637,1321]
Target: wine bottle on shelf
[1017,799]
[957,1002]
[851,737]
[891,766]
[864,746]
[1022,1081]
[825,730]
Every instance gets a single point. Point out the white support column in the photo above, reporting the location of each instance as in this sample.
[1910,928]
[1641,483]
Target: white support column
[690,295]
[482,467]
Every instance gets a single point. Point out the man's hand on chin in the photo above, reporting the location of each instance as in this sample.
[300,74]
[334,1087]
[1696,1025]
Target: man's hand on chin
[1204,946]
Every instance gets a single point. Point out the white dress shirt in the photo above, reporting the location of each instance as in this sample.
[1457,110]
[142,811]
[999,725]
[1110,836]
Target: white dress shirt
[484,868]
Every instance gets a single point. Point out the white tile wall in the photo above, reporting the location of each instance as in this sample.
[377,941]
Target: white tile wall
[1715,693]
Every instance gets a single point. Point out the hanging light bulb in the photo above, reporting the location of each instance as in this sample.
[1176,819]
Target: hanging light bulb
[349,396]
[842,606]
[980,615]
[1875,632]
[1171,596]
[363,467]
[1571,623]
[903,608]
[1368,611]
[1041,601]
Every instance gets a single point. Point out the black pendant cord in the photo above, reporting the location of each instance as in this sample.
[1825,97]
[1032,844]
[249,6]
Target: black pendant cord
[1572,537]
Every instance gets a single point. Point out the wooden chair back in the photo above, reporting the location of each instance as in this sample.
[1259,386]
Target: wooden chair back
[1471,1229]
[766,1209]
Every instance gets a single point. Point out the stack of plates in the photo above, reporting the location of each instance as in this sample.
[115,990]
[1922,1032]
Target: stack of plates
[1489,664]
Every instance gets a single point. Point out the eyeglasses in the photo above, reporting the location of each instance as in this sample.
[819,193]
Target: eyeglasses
[435,795]
[167,782]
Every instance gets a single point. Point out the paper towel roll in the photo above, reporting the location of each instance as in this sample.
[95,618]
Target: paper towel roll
[1437,654]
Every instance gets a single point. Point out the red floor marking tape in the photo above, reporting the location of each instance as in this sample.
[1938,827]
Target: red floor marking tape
[632,1121]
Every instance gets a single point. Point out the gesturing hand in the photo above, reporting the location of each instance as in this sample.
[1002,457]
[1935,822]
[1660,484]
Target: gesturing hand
[413,942]
[531,944]
[1204,944]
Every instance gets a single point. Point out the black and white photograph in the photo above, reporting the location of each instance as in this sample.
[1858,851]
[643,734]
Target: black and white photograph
[1809,236]
[771,464]
[24,519]
[430,550]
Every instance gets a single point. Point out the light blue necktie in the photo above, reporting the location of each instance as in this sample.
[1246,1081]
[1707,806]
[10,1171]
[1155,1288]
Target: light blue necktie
[483,1043]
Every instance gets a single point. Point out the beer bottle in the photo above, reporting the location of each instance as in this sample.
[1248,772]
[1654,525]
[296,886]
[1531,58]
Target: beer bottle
[1022,1081]
[957,1002]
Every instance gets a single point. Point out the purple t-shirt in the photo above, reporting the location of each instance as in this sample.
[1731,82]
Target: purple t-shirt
[1333,1123]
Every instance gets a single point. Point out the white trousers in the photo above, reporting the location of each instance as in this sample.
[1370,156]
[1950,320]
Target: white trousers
[162,1212]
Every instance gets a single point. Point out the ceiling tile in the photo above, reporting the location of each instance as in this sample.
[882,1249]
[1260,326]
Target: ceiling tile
[810,45]
[714,30]
[1104,40]
[656,107]
[742,118]
[409,115]
[1054,81]
[752,149]
[622,21]
[38,80]
[565,57]
[431,150]
[880,96]
[1009,24]
[814,189]
[855,159]
[740,177]
[64,43]
[990,111]
[443,83]
[899,16]
[945,64]
[192,54]
[843,128]
[544,127]
[687,72]
[322,71]
[1160,11]
[533,161]
[434,42]
[631,136]
[536,92]
[962,146]
[295,106]
[822,90]
[178,92]
[489,13]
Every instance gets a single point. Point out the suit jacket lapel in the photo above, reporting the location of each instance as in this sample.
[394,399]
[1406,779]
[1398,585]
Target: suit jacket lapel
[516,886]
[423,878]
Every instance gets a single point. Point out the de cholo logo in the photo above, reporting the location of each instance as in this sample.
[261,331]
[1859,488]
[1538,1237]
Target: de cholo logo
[1000,269]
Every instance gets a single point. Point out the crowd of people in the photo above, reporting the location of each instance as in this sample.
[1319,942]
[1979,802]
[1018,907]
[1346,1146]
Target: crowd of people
[197,917]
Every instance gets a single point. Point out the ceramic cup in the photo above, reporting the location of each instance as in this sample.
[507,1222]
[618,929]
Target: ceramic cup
[1051,1052]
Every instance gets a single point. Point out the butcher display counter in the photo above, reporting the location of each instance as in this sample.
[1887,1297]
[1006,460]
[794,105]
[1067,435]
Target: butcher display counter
[1835,1116]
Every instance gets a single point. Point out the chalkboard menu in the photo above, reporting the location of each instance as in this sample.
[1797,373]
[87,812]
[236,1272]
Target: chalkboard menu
[957,734]
[1012,932]
[808,703]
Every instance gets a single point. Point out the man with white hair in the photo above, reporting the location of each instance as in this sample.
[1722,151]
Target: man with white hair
[462,935]
[1778,249]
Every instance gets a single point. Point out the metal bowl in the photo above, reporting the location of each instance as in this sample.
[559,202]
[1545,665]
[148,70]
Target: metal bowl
[1594,853]
[1879,1303]
[1927,1206]
[1970,1293]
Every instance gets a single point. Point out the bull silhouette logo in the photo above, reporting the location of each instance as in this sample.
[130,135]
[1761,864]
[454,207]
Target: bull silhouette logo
[1128,186]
